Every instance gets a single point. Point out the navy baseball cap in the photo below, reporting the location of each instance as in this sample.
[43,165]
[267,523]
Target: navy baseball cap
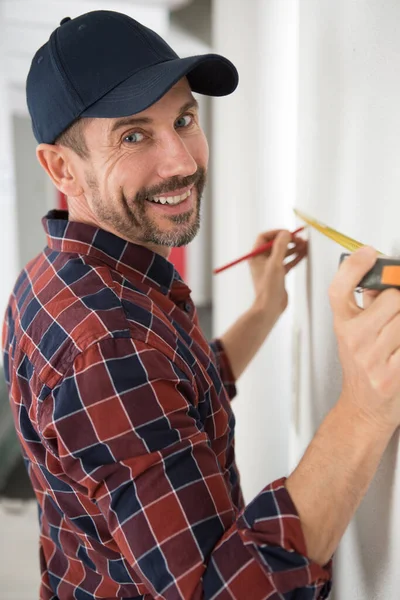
[106,64]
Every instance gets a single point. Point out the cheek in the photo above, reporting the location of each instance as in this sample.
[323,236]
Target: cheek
[197,146]
[128,174]
[201,151]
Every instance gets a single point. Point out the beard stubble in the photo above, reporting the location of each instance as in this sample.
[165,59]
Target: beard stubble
[131,220]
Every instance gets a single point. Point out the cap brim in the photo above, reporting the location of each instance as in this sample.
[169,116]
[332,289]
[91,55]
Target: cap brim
[209,74]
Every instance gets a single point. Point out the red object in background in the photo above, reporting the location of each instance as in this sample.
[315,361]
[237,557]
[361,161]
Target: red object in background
[177,255]
[178,258]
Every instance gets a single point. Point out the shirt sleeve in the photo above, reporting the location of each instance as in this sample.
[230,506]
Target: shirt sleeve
[128,433]
[224,367]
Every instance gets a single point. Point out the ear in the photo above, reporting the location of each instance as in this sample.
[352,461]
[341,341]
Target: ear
[57,164]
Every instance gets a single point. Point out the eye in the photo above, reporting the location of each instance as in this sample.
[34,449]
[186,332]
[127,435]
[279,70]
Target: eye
[184,121]
[134,138]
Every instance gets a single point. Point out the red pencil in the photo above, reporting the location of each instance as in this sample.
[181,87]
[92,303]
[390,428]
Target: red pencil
[259,250]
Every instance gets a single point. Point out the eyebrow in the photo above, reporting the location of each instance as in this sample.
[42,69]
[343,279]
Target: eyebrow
[127,121]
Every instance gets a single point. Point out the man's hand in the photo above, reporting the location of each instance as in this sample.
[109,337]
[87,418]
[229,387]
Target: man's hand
[243,340]
[268,270]
[334,474]
[368,341]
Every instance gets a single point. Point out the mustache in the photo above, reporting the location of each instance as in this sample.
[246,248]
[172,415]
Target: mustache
[175,183]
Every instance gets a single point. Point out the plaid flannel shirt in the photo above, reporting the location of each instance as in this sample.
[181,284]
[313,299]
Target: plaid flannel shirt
[123,413]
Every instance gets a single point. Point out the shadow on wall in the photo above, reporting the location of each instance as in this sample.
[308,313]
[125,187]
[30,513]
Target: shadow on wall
[372,521]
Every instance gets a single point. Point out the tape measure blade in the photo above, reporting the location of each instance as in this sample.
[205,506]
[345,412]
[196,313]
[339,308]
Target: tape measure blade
[347,242]
[340,238]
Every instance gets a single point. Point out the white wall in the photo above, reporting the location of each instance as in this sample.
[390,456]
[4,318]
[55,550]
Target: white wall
[316,123]
[349,178]
[31,189]
[7,182]
[253,170]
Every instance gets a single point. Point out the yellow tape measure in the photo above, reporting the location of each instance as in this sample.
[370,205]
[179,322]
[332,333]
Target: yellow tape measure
[344,240]
[384,274]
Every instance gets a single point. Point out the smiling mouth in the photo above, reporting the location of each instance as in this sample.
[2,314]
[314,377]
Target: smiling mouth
[171,200]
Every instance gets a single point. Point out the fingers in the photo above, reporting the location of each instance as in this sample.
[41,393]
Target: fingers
[388,340]
[298,246]
[368,297]
[381,311]
[299,249]
[351,271]
[381,359]
[297,243]
[280,246]
[284,246]
[265,237]
[292,263]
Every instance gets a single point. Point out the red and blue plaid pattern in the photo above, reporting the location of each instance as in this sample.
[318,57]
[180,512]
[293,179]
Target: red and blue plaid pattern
[123,412]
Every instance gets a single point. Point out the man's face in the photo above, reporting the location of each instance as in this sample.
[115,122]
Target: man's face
[145,174]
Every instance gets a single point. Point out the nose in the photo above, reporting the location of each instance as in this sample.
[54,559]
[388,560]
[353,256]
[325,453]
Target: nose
[175,158]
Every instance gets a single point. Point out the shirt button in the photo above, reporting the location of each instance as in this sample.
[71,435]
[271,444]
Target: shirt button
[188,307]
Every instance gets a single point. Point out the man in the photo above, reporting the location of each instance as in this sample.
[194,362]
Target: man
[122,407]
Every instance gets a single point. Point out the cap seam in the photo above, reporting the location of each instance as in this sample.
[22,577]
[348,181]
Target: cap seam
[144,37]
[68,78]
[55,57]
[150,43]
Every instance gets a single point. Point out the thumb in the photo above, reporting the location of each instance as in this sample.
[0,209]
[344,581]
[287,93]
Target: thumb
[349,274]
[280,245]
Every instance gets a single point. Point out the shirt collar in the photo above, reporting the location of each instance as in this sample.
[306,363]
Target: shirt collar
[132,260]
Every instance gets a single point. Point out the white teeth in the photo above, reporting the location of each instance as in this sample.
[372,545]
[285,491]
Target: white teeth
[171,199]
